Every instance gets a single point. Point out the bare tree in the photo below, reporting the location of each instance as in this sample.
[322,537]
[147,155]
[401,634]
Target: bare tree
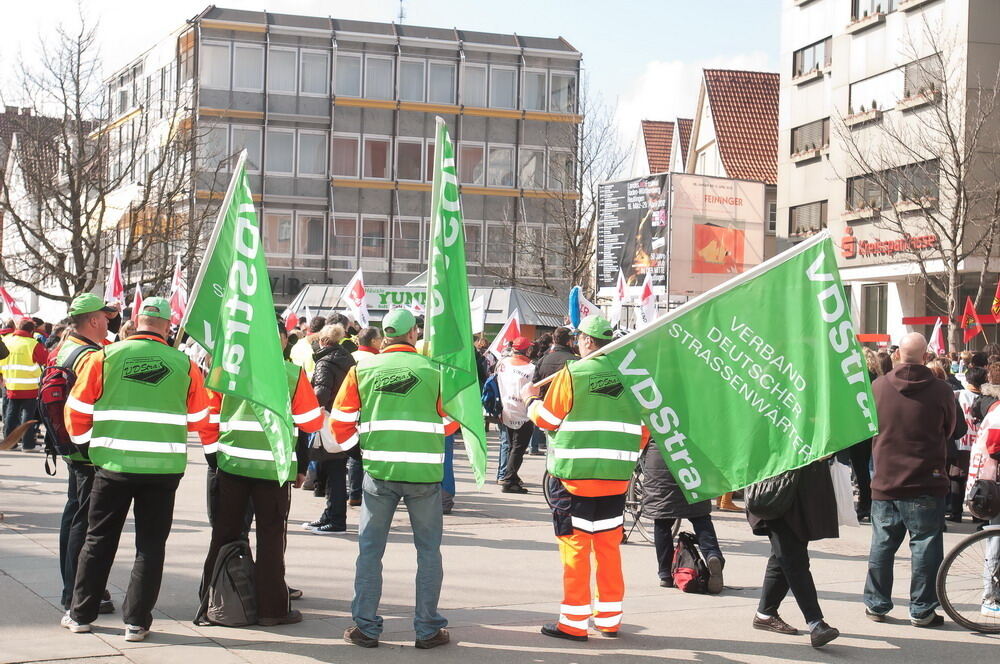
[86,175]
[928,173]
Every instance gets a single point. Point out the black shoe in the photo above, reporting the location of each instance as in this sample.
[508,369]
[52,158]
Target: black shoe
[319,492]
[551,630]
[329,529]
[773,624]
[609,635]
[822,634]
[513,488]
[438,639]
[954,519]
[715,583]
[290,618]
[294,593]
[106,606]
[666,583]
[359,638]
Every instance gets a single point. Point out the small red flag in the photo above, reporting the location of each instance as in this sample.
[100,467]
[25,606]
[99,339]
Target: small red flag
[995,308]
[970,321]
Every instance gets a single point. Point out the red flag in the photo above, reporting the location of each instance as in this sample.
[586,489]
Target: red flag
[178,294]
[970,321]
[114,290]
[291,319]
[354,296]
[511,330]
[995,308]
[10,304]
[136,303]
[647,301]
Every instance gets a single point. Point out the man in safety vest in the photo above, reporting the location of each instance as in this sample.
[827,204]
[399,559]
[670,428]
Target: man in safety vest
[22,372]
[597,435]
[235,444]
[389,407]
[89,316]
[133,405]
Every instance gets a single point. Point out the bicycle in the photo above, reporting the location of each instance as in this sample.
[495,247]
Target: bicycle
[968,581]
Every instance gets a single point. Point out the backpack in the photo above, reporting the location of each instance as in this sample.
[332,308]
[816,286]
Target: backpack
[689,570]
[53,390]
[229,596]
[492,403]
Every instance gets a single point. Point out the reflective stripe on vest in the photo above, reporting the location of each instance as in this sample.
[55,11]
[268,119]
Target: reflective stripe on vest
[597,526]
[20,372]
[403,426]
[151,446]
[595,453]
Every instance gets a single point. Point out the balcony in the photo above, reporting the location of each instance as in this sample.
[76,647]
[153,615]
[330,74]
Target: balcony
[910,5]
[808,155]
[922,98]
[861,214]
[864,117]
[865,22]
[808,77]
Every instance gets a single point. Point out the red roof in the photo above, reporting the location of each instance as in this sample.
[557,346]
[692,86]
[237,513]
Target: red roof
[658,137]
[684,127]
[745,111]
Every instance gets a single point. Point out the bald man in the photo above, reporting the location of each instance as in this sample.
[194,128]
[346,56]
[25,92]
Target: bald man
[916,414]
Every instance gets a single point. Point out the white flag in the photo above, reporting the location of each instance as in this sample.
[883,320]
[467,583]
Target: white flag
[618,300]
[478,315]
[647,302]
[354,297]
[937,339]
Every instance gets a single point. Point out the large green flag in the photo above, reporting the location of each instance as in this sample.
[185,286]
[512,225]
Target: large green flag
[757,376]
[231,314]
[448,325]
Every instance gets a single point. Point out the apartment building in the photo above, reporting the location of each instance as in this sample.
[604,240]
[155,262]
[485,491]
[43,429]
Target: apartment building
[337,117]
[850,70]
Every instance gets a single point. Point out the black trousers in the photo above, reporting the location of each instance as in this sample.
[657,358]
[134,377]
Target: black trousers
[73,528]
[788,569]
[110,500]
[861,457]
[663,541]
[519,439]
[956,494]
[335,472]
[270,509]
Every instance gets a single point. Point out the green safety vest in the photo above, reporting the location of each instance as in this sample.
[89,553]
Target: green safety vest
[243,448]
[66,349]
[141,418]
[599,438]
[20,372]
[401,431]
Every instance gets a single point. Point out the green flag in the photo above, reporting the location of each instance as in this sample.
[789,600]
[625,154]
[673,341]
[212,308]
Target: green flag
[448,324]
[760,375]
[231,314]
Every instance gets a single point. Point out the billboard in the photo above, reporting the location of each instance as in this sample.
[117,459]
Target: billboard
[633,216]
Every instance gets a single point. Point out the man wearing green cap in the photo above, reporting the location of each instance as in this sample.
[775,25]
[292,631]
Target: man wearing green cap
[88,316]
[389,409]
[131,408]
[596,434]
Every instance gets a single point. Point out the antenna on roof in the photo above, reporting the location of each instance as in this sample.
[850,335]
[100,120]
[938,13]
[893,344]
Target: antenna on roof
[402,11]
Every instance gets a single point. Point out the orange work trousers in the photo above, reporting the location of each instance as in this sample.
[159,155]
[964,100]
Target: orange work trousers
[576,609]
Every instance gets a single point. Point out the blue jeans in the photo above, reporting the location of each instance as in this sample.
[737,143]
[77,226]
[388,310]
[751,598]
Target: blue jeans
[15,413]
[921,518]
[423,504]
[504,451]
[355,477]
[448,483]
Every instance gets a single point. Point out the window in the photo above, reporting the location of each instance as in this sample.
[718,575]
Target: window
[530,250]
[429,172]
[344,156]
[862,8]
[309,240]
[532,168]
[534,90]
[555,248]
[313,74]
[348,76]
[441,83]
[214,146]
[922,76]
[411,80]
[501,167]
[248,68]
[881,91]
[247,138]
[406,245]
[409,158]
[312,153]
[470,164]
[378,78]
[474,85]
[560,170]
[281,70]
[503,87]
[498,245]
[376,162]
[914,183]
[280,151]
[562,98]
[344,237]
[814,56]
[811,136]
[864,191]
[919,182]
[473,241]
[806,220]
[875,298]
[373,237]
[772,217]
[215,66]
[278,238]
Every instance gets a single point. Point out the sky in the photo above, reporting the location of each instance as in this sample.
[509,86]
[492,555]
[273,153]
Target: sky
[643,59]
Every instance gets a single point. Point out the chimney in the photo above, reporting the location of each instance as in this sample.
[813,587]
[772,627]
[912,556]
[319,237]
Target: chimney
[25,110]
[10,110]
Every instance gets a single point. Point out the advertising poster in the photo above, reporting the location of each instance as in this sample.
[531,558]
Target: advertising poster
[633,218]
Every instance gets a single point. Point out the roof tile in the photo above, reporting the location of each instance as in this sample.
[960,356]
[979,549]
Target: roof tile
[658,137]
[745,111]
[684,127]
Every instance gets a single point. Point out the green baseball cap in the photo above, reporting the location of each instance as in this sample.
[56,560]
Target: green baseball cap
[88,303]
[156,307]
[398,323]
[596,326]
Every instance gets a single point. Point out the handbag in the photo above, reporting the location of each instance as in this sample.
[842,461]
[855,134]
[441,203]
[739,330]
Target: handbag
[323,446]
[771,498]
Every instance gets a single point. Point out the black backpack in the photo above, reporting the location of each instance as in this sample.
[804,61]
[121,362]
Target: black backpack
[53,390]
[689,570]
[229,596]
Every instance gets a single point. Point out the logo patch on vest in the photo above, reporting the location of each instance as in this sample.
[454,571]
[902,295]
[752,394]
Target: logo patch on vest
[148,370]
[606,385]
[395,381]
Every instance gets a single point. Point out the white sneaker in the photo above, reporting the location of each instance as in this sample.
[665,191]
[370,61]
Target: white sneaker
[135,633]
[990,609]
[74,626]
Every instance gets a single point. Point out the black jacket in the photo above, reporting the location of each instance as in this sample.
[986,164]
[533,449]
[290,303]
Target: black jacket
[332,365]
[813,514]
[552,362]
[662,498]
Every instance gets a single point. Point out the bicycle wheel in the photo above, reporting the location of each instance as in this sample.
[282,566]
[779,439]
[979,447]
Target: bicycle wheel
[968,582]
[633,503]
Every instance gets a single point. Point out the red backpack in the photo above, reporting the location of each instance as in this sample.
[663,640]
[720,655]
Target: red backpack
[53,390]
[689,570]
